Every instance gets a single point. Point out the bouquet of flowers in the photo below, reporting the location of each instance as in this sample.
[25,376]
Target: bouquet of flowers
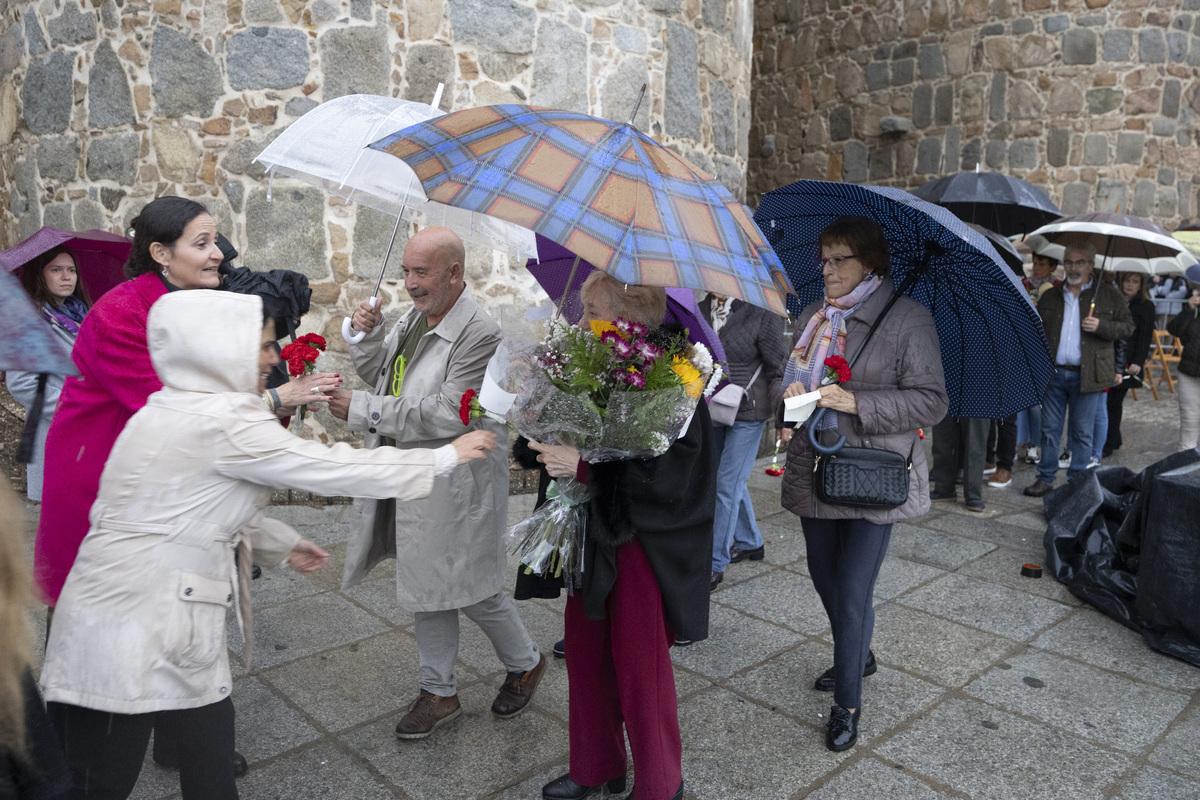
[614,391]
[301,357]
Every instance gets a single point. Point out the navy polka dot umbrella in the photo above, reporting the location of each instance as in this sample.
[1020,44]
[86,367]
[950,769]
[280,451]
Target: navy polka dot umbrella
[994,350]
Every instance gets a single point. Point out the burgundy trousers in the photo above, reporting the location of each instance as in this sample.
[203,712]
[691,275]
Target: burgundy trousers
[620,675]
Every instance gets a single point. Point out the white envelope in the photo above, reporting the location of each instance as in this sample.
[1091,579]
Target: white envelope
[799,408]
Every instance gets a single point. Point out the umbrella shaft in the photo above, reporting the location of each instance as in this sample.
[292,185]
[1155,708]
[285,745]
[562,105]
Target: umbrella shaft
[387,255]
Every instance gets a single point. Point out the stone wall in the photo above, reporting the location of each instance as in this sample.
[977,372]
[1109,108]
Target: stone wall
[1096,101]
[107,104]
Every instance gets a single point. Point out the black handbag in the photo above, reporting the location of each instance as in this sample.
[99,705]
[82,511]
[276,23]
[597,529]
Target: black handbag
[858,477]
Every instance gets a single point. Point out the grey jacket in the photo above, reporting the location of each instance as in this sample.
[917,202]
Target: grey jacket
[449,548]
[899,387]
[752,336]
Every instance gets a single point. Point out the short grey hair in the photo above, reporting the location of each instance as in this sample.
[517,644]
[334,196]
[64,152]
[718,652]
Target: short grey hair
[1087,248]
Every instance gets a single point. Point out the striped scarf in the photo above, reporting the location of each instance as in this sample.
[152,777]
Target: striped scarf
[825,336]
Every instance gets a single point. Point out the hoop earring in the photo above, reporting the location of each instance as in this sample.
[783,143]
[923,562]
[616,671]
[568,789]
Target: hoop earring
[164,272]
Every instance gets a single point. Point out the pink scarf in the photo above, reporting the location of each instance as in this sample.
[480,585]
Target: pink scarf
[825,335]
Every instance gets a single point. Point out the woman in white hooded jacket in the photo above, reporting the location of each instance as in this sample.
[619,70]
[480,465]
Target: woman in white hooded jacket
[139,631]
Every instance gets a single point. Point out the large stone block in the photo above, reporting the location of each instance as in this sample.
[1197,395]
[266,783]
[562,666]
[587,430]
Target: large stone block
[113,158]
[355,60]
[502,26]
[47,92]
[288,231]
[878,76]
[176,154]
[299,106]
[239,158]
[997,110]
[1065,97]
[1131,147]
[943,105]
[902,71]
[620,92]
[713,13]
[724,117]
[1034,51]
[58,215]
[743,113]
[731,175]
[183,77]
[929,155]
[1023,153]
[682,114]
[109,101]
[1079,46]
[854,162]
[930,62]
[89,214]
[1166,176]
[1058,146]
[1056,23]
[1177,46]
[952,151]
[1117,43]
[1095,149]
[994,154]
[880,163]
[267,58]
[261,11]
[1111,195]
[73,26]
[841,123]
[560,78]
[1152,46]
[1170,98]
[1183,193]
[424,18]
[1143,198]
[922,106]
[631,40]
[1166,201]
[34,39]
[1022,26]
[972,154]
[1025,101]
[372,233]
[12,48]
[1103,100]
[425,66]
[58,158]
[1075,198]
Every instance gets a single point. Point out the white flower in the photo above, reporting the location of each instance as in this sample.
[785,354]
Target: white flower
[711,386]
[701,358]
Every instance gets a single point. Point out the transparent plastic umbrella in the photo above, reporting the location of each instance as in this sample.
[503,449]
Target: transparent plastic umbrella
[327,148]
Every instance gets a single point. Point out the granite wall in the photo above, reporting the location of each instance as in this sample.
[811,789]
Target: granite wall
[1096,101]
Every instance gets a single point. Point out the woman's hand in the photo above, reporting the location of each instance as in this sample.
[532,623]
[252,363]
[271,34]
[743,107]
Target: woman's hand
[300,391]
[307,557]
[1134,369]
[784,435]
[560,460]
[837,398]
[795,390]
[473,445]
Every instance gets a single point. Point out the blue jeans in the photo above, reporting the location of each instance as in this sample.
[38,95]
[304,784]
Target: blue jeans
[736,446]
[1100,431]
[1063,394]
[1029,426]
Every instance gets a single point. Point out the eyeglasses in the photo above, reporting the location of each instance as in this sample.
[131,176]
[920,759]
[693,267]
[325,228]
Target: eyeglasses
[837,261]
[1083,262]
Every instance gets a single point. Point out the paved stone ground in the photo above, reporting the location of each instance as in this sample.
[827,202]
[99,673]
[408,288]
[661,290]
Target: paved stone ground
[991,685]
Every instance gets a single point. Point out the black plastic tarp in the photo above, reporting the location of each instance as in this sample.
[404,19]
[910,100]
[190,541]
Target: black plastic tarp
[1129,544]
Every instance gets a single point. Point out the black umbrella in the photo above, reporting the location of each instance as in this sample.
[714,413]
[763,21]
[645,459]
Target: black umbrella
[1004,247]
[284,292]
[1000,203]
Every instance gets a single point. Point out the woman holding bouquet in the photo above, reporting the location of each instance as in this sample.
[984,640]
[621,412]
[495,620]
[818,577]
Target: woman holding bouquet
[896,387]
[645,582]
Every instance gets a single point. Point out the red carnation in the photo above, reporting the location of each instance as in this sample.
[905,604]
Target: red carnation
[300,357]
[315,340]
[468,406]
[837,369]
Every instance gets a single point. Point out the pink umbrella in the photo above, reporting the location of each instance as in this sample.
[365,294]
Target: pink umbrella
[99,255]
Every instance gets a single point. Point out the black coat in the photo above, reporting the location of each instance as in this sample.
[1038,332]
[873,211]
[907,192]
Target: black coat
[753,337]
[667,504]
[1186,325]
[531,585]
[1137,344]
[41,773]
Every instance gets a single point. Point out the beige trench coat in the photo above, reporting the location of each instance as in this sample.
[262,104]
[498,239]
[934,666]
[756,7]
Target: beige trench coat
[140,624]
[449,548]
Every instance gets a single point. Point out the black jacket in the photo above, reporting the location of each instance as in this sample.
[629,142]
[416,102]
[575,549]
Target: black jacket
[752,336]
[1186,326]
[1137,344]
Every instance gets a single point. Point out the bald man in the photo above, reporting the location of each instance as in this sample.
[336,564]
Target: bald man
[449,548]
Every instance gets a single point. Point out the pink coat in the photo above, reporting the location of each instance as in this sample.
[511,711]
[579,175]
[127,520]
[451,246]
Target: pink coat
[116,377]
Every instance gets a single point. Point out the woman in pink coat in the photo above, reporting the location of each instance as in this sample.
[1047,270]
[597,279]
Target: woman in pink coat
[174,248]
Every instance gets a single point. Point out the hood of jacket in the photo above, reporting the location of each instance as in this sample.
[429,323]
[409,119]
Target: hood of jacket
[205,340]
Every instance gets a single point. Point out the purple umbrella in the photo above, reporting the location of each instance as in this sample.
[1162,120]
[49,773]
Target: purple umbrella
[556,267]
[99,256]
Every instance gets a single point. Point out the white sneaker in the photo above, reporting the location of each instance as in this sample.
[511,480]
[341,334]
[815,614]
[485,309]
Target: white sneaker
[1033,455]
[1064,460]
[1093,463]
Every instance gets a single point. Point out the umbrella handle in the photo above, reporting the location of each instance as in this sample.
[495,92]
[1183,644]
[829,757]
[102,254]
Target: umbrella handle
[813,421]
[349,334]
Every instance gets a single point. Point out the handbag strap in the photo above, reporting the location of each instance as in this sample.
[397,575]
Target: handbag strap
[753,378]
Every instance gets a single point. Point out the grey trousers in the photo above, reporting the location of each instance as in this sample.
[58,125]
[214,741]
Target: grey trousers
[437,641]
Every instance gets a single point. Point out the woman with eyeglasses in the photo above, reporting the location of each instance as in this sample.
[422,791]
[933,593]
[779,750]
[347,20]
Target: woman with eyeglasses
[896,386]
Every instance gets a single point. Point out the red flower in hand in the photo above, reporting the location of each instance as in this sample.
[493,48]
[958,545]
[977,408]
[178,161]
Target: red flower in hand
[468,406]
[300,356]
[837,370]
[314,340]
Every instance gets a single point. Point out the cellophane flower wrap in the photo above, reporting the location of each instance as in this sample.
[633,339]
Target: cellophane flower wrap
[614,391]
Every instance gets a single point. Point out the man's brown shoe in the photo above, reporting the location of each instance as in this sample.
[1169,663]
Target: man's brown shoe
[518,690]
[426,713]
[1039,489]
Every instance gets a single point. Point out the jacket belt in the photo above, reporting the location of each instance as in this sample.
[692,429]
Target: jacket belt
[1068,367]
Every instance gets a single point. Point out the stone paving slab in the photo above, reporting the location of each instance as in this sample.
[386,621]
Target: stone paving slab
[995,609]
[880,780]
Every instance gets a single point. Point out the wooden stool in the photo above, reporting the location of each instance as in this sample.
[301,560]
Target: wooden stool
[1147,380]
[1163,341]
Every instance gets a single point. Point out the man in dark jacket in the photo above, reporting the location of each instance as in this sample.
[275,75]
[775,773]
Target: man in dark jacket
[1082,319]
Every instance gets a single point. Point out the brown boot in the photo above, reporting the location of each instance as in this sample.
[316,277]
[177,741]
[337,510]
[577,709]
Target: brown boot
[518,690]
[426,713]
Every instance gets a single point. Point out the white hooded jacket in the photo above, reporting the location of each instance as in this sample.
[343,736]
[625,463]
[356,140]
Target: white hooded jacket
[140,625]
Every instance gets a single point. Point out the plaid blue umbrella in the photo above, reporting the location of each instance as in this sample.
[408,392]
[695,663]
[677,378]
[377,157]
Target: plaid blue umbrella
[994,350]
[607,192]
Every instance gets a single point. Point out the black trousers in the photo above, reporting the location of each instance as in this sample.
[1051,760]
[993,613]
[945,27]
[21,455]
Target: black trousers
[105,751]
[844,557]
[959,440]
[1116,405]
[1002,443]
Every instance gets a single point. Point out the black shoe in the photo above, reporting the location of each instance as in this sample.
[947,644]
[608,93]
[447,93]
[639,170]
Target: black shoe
[935,496]
[677,796]
[563,788]
[717,577]
[825,682]
[255,572]
[240,767]
[560,648]
[842,731]
[737,554]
